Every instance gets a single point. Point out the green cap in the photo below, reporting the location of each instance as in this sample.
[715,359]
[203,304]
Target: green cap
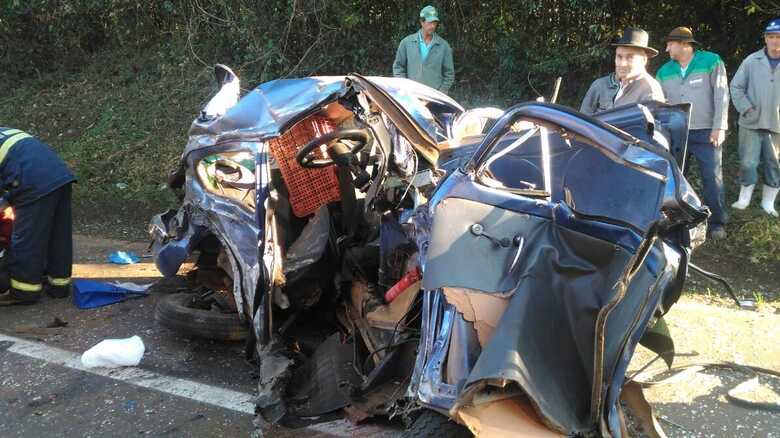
[429,13]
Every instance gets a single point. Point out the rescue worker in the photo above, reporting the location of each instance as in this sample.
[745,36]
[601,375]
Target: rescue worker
[755,93]
[424,56]
[37,184]
[630,83]
[698,77]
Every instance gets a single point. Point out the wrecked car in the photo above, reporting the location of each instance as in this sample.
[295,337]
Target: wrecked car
[384,252]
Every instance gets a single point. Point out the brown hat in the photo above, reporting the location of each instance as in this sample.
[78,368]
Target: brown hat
[682,34]
[638,39]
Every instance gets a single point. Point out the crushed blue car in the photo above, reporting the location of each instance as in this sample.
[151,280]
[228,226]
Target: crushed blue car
[384,252]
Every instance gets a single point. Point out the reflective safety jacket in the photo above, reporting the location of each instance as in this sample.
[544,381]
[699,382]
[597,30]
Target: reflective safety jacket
[29,169]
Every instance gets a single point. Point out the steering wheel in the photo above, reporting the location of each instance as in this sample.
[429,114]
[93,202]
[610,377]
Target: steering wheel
[359,137]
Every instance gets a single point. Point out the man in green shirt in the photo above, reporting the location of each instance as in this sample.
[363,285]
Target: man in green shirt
[698,77]
[424,56]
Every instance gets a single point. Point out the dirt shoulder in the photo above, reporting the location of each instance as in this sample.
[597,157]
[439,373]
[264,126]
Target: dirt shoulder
[696,404]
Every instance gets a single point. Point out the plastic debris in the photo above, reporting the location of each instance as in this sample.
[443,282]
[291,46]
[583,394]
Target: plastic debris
[133,287]
[88,294]
[311,244]
[114,353]
[123,257]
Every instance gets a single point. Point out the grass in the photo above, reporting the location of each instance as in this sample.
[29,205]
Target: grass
[121,121]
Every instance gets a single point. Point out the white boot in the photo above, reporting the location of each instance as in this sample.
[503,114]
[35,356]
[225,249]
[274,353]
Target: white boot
[768,200]
[745,192]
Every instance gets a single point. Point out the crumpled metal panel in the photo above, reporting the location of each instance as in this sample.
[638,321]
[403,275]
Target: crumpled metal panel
[232,223]
[268,110]
[586,288]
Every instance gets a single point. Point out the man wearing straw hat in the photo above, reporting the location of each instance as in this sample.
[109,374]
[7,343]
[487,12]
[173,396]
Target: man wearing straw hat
[630,83]
[698,77]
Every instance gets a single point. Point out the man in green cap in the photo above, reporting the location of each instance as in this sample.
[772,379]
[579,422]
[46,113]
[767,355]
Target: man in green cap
[698,77]
[630,83]
[424,56]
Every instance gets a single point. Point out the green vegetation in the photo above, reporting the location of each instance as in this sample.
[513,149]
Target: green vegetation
[114,84]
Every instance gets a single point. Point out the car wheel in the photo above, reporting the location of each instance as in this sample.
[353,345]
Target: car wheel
[431,424]
[175,313]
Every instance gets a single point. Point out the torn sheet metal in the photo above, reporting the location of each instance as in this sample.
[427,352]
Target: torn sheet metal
[272,107]
[482,309]
[508,418]
[583,289]
[386,316]
[635,399]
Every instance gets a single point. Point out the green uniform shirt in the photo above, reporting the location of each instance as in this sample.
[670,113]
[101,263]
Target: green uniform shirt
[704,85]
[435,70]
[756,85]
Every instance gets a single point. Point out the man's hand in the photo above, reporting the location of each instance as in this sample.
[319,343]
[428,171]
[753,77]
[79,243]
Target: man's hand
[717,136]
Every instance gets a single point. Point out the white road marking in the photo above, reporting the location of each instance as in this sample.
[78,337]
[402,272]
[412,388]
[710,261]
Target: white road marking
[224,398]
[212,395]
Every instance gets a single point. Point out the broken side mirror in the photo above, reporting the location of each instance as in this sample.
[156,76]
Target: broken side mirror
[226,97]
[223,74]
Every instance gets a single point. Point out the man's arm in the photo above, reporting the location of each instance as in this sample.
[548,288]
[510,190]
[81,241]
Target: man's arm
[720,96]
[399,65]
[589,103]
[447,71]
[656,92]
[720,88]
[738,88]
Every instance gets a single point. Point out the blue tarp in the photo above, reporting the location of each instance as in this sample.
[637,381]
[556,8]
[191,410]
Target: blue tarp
[88,294]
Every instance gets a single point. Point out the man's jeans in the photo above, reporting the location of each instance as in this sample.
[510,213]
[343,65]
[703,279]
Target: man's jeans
[709,159]
[755,145]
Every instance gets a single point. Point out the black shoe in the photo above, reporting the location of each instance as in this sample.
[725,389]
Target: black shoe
[9,298]
[716,232]
[57,291]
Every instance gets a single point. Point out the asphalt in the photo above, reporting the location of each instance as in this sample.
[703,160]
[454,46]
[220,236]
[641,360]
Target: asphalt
[43,397]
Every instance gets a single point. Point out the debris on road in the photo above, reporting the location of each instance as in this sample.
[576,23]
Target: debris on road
[123,257]
[88,294]
[115,353]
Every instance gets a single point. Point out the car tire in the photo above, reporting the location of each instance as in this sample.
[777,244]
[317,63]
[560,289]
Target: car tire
[172,312]
[431,424]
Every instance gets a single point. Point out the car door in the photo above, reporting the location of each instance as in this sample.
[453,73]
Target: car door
[562,220]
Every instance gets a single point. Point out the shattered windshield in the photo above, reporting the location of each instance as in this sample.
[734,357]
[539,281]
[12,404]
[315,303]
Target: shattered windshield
[550,163]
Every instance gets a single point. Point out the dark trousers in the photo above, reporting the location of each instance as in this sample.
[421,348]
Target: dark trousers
[41,244]
[710,160]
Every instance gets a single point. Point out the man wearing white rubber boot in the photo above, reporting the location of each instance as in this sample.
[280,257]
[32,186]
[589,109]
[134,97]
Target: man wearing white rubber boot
[755,93]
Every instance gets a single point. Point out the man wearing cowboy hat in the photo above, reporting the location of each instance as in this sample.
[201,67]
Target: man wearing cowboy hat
[698,77]
[755,93]
[424,56]
[630,83]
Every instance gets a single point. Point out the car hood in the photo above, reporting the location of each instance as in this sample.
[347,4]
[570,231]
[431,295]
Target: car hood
[272,107]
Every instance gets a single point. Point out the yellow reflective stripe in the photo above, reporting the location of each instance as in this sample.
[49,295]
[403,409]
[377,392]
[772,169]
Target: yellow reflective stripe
[59,281]
[10,142]
[27,287]
[11,131]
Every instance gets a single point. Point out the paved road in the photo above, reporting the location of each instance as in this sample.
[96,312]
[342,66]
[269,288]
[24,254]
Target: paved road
[181,388]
